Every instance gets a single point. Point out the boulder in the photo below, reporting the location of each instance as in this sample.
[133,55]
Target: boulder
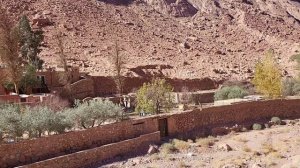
[41,21]
[225,147]
[153,149]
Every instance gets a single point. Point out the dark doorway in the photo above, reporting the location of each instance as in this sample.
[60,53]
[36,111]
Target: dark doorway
[163,127]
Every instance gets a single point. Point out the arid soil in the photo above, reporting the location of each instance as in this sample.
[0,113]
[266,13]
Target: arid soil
[275,147]
[177,38]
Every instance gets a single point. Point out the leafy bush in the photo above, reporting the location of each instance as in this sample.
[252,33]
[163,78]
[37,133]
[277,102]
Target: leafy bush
[11,121]
[94,112]
[257,126]
[276,120]
[40,119]
[15,121]
[230,93]
[291,87]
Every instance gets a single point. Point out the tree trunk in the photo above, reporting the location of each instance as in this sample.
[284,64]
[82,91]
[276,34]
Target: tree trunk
[16,88]
[157,107]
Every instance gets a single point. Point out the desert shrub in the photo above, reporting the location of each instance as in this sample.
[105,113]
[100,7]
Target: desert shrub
[291,87]
[168,148]
[230,92]
[206,142]
[94,112]
[257,126]
[276,120]
[180,145]
[11,121]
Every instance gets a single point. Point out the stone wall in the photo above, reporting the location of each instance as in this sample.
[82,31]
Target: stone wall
[106,86]
[181,125]
[83,88]
[10,98]
[195,123]
[94,156]
[29,151]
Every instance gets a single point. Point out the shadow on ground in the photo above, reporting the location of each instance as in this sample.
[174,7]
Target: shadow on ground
[117,2]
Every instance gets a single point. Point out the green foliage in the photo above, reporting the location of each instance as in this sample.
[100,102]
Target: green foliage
[291,87]
[37,120]
[230,92]
[94,112]
[276,120]
[151,97]
[29,78]
[40,119]
[257,126]
[267,77]
[30,42]
[11,120]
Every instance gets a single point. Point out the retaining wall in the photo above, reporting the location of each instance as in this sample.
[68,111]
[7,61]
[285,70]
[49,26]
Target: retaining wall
[187,124]
[196,123]
[105,85]
[29,151]
[94,156]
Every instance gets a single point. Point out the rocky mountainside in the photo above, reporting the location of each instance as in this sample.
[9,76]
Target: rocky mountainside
[175,38]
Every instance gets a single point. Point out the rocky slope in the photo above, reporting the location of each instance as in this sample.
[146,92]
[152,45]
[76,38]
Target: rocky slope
[177,38]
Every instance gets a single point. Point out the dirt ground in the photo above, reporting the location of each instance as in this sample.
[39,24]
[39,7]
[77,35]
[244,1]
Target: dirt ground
[274,147]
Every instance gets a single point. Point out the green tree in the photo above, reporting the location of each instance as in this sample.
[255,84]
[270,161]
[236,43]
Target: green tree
[94,112]
[230,92]
[30,43]
[267,78]
[151,97]
[29,78]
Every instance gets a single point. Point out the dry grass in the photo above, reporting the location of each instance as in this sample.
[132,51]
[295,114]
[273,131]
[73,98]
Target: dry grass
[206,142]
[167,148]
[241,139]
[182,164]
[268,148]
[180,145]
[234,161]
[246,149]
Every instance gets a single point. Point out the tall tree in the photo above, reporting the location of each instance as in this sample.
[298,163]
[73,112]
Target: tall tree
[9,51]
[66,76]
[118,63]
[267,78]
[30,43]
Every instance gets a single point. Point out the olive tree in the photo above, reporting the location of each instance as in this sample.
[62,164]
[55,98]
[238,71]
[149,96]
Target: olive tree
[94,113]
[11,121]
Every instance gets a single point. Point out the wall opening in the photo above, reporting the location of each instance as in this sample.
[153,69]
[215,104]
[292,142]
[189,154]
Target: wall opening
[163,127]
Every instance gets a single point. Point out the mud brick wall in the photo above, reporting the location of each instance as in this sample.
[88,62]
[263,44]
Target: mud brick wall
[10,98]
[198,122]
[106,86]
[29,151]
[2,90]
[83,88]
[94,156]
